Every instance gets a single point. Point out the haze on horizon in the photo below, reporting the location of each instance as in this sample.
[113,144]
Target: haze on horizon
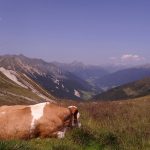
[89,31]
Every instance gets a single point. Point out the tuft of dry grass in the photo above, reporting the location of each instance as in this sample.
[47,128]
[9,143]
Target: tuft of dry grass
[118,124]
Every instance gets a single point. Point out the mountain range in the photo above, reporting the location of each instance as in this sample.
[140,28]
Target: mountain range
[58,82]
[54,80]
[122,77]
[86,72]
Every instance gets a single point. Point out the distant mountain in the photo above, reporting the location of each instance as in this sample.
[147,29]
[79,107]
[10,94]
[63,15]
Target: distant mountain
[60,83]
[89,73]
[122,77]
[86,72]
[111,68]
[132,90]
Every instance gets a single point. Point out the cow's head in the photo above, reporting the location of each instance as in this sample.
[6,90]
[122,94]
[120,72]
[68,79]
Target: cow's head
[75,115]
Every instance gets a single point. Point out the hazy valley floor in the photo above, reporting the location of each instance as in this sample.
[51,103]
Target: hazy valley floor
[118,125]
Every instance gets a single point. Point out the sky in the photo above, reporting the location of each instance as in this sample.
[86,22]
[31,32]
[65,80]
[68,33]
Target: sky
[89,31]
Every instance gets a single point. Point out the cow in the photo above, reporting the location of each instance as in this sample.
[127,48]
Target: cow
[37,121]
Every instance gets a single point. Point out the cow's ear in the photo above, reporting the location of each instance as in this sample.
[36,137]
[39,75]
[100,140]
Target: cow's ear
[73,109]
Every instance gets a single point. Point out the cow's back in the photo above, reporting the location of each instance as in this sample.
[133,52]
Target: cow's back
[15,122]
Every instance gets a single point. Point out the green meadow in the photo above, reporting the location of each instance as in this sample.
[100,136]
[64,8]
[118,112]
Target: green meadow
[118,125]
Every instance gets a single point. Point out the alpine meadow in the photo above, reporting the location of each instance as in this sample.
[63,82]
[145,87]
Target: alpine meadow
[74,75]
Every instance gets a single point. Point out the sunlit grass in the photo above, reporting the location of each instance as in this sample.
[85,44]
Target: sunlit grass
[123,125]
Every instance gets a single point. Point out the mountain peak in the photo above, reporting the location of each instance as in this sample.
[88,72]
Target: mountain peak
[77,63]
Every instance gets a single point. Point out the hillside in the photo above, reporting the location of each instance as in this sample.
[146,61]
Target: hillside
[117,125]
[122,77]
[56,81]
[132,90]
[17,88]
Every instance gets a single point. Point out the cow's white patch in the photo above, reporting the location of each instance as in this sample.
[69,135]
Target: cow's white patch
[36,112]
[78,115]
[61,134]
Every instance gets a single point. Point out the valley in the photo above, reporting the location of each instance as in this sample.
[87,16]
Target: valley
[117,118]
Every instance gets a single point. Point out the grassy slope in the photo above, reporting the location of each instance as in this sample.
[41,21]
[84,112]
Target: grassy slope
[38,87]
[135,89]
[110,125]
[8,90]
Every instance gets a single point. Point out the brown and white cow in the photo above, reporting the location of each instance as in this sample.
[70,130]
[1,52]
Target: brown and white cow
[40,120]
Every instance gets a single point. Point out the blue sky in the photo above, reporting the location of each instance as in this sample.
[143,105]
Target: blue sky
[91,31]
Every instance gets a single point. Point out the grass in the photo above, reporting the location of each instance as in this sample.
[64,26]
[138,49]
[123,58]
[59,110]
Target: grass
[118,125]
[6,86]
[11,93]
